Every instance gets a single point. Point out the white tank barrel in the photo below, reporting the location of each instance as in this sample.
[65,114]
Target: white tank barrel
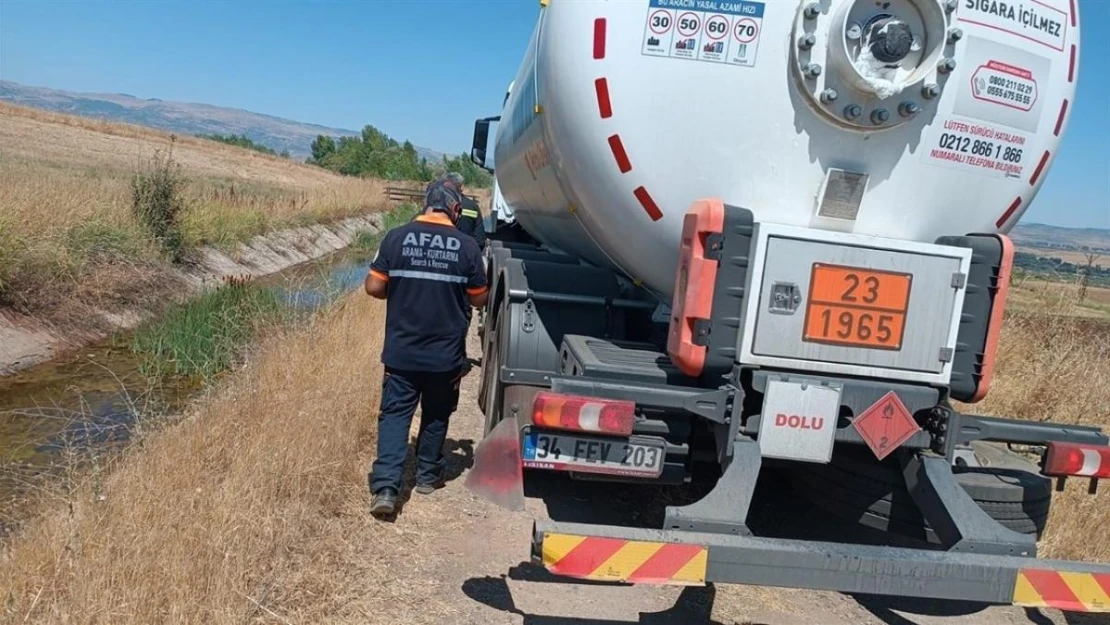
[907,119]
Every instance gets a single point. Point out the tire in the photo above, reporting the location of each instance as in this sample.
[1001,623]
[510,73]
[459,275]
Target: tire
[489,345]
[492,390]
[856,487]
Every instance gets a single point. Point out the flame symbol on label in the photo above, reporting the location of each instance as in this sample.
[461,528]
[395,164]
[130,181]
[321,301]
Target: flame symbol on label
[888,411]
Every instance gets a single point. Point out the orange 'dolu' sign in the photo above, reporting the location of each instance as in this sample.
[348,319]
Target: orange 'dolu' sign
[857,307]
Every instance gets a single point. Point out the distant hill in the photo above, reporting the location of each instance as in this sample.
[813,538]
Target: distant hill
[1045,237]
[182,117]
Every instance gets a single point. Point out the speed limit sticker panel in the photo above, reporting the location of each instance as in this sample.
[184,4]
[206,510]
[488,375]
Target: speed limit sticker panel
[713,31]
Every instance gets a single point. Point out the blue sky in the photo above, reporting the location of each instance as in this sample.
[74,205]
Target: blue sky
[418,70]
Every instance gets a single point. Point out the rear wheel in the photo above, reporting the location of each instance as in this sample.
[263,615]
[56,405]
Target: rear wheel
[491,379]
[858,488]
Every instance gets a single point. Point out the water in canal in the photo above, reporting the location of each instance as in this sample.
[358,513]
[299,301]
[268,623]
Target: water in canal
[94,399]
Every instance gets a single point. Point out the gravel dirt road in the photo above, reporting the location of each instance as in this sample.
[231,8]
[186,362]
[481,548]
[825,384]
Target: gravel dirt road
[454,558]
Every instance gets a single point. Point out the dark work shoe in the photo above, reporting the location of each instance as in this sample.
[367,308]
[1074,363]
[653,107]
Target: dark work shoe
[384,502]
[427,489]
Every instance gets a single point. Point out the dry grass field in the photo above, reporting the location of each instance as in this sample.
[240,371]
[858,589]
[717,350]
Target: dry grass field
[1059,298]
[246,510]
[70,244]
[59,172]
[245,503]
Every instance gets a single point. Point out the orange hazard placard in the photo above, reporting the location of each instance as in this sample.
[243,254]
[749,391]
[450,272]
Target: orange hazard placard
[857,307]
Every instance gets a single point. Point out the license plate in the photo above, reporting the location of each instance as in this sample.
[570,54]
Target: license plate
[857,307]
[798,421]
[590,454]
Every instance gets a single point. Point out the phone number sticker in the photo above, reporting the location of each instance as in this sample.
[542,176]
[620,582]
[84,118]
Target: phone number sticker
[1004,84]
[979,148]
[712,31]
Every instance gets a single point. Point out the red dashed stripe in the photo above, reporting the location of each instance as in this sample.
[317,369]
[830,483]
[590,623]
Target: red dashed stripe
[1039,169]
[1060,119]
[599,38]
[617,147]
[1071,67]
[603,105]
[605,108]
[648,203]
[1074,15]
[1009,212]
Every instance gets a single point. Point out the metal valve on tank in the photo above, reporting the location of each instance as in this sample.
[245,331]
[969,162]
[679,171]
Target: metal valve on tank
[886,62]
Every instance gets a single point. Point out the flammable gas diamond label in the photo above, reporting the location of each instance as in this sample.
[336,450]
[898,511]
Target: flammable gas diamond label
[713,31]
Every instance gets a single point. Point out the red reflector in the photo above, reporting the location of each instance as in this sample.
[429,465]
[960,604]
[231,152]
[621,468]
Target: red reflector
[585,414]
[1064,459]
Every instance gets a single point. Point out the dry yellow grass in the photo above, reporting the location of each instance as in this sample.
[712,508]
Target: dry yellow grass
[58,172]
[1056,368]
[247,509]
[69,243]
[243,505]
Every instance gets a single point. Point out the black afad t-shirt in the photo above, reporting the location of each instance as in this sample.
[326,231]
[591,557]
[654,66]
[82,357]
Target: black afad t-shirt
[430,267]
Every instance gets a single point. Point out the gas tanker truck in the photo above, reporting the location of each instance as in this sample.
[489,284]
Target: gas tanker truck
[735,237]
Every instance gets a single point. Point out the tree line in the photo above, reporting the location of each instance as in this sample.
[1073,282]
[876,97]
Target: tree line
[1053,267]
[375,154]
[244,141]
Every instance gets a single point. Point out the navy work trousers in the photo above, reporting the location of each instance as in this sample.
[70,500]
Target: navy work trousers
[438,396]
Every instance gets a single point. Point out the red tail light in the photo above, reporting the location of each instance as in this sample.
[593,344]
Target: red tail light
[1064,459]
[585,414]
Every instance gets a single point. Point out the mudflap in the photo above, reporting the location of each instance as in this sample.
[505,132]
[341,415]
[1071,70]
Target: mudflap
[498,474]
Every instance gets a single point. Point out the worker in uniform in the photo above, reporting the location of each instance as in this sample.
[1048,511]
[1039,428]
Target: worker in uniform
[430,275]
[470,221]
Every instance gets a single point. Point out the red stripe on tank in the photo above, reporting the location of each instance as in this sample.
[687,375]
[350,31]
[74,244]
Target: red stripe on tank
[1060,119]
[1074,15]
[648,203]
[619,154]
[1009,212]
[1071,66]
[599,38]
[1040,168]
[601,86]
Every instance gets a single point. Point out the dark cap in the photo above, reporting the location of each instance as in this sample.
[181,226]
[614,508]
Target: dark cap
[442,197]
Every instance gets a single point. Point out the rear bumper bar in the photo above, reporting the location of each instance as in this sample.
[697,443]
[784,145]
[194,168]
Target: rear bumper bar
[622,554]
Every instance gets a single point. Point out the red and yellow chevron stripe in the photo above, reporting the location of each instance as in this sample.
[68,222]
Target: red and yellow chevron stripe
[1071,592]
[614,559]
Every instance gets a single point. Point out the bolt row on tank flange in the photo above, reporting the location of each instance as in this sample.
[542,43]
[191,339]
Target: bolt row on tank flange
[874,67]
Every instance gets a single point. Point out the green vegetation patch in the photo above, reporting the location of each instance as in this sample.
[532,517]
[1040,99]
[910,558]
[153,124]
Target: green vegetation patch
[158,201]
[366,241]
[374,153]
[9,256]
[244,141]
[205,335]
[99,240]
[206,224]
[1053,268]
